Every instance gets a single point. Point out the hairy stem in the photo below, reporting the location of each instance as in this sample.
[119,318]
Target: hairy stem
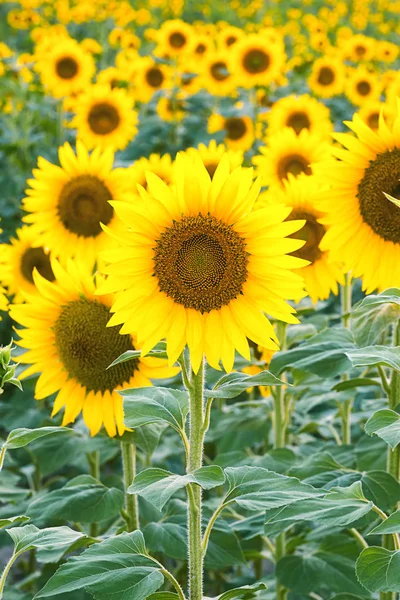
[131,513]
[346,407]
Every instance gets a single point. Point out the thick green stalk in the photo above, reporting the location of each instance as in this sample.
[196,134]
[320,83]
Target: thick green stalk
[196,437]
[131,514]
[346,407]
[6,572]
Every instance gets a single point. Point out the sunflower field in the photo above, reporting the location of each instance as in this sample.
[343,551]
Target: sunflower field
[200,300]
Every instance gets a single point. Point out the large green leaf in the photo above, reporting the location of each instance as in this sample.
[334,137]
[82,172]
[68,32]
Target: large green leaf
[378,569]
[12,521]
[29,537]
[114,569]
[22,437]
[154,404]
[157,486]
[241,591]
[373,356]
[385,423]
[255,488]
[372,316]
[83,499]
[234,384]
[389,525]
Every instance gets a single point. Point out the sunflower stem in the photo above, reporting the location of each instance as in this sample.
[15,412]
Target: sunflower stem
[196,437]
[6,572]
[94,469]
[346,408]
[131,513]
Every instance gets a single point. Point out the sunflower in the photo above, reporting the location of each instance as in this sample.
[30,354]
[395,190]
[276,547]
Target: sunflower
[172,107]
[370,112]
[215,75]
[149,77]
[67,203]
[105,118]
[69,343]
[175,38]
[256,62]
[327,77]
[196,268]
[239,131]
[300,112]
[65,67]
[212,154]
[365,189]
[112,77]
[288,153]
[386,51]
[305,195]
[230,35]
[362,86]
[203,44]
[260,355]
[19,258]
[359,48]
[162,166]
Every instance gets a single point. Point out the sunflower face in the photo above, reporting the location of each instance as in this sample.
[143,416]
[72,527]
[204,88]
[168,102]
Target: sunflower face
[235,128]
[36,258]
[67,67]
[326,76]
[256,61]
[86,346]
[103,118]
[154,77]
[293,164]
[200,263]
[312,233]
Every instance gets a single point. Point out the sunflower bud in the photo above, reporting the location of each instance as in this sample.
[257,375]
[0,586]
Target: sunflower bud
[7,370]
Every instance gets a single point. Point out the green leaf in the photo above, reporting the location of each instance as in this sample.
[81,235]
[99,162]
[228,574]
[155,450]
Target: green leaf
[242,591]
[81,500]
[157,486]
[12,520]
[153,404]
[322,354]
[29,537]
[382,488]
[385,424]
[390,525]
[373,356]
[163,596]
[350,384]
[378,569]
[158,351]
[112,570]
[234,384]
[223,549]
[22,437]
[255,488]
[372,316]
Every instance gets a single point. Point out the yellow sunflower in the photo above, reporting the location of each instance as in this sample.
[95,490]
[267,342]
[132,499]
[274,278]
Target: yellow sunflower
[257,62]
[162,166]
[300,112]
[212,154]
[69,343]
[203,44]
[260,355]
[327,77]
[149,77]
[230,35]
[365,191]
[172,107]
[174,38]
[359,47]
[370,112]
[195,266]
[19,258]
[305,195]
[112,77]
[288,153]
[239,131]
[67,203]
[216,76]
[65,67]
[362,86]
[105,118]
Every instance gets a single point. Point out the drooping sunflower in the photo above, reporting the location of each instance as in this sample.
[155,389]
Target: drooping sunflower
[305,195]
[255,61]
[300,112]
[288,153]
[19,258]
[365,225]
[239,131]
[65,67]
[69,343]
[67,203]
[105,118]
[149,77]
[212,154]
[362,86]
[196,267]
[327,77]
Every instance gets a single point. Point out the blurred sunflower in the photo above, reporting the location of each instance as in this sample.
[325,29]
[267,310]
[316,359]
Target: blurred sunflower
[65,67]
[202,45]
[105,118]
[365,226]
[300,112]
[289,154]
[69,343]
[149,77]
[305,195]
[229,35]
[112,77]
[19,258]
[362,86]
[370,112]
[216,76]
[67,203]
[172,107]
[197,268]
[256,62]
[174,38]
[327,77]
[359,47]
[239,131]
[162,166]
[212,154]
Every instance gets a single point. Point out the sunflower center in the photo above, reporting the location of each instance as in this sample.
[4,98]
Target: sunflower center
[154,77]
[177,40]
[83,204]
[235,128]
[66,68]
[211,168]
[103,118]
[231,40]
[36,258]
[87,347]
[360,50]
[298,121]
[312,232]
[373,120]
[201,262]
[219,71]
[325,76]
[256,61]
[200,48]
[363,88]
[377,211]
[294,164]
